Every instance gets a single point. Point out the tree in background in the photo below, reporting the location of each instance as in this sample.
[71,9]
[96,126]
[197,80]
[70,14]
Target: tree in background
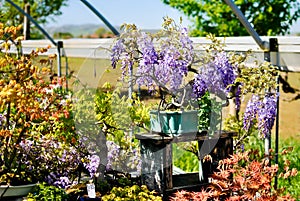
[101,32]
[62,35]
[274,17]
[41,11]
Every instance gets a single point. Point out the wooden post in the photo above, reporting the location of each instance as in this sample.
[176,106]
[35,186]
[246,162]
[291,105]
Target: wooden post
[168,167]
[26,22]
[153,155]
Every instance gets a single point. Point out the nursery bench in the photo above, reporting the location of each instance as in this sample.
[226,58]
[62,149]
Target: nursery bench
[157,165]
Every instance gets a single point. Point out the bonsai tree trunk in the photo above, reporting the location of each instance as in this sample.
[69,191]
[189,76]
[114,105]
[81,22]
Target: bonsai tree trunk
[232,108]
[103,150]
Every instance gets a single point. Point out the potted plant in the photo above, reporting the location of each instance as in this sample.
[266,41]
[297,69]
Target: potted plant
[38,142]
[166,62]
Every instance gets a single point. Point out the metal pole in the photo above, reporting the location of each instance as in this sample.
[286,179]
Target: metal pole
[92,8]
[277,133]
[267,57]
[274,48]
[67,68]
[264,45]
[59,47]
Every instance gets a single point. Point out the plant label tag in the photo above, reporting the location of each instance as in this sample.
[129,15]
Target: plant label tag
[91,190]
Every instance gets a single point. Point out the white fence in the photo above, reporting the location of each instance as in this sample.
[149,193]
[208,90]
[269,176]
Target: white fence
[289,48]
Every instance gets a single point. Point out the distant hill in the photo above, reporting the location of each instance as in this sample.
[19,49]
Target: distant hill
[75,30]
[82,30]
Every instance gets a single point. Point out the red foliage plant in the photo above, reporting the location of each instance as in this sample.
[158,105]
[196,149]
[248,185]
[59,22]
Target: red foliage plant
[242,176]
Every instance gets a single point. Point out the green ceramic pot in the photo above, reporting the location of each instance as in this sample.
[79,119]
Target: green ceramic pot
[174,122]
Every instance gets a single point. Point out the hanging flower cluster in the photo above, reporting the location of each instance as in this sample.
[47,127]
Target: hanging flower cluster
[264,111]
[122,159]
[163,59]
[216,76]
[92,164]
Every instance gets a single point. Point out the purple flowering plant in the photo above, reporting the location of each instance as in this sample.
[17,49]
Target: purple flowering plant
[264,111]
[52,161]
[168,62]
[161,60]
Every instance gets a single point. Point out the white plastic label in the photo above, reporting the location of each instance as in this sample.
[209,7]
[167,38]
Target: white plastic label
[91,190]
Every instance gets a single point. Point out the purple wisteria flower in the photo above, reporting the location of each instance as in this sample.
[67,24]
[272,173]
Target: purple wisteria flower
[2,120]
[200,86]
[160,62]
[148,62]
[92,165]
[238,98]
[226,70]
[50,160]
[63,182]
[135,161]
[262,110]
[117,52]
[267,114]
[113,152]
[251,111]
[123,159]
[215,76]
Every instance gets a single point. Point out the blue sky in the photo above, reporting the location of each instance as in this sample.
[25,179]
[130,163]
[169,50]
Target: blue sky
[146,14]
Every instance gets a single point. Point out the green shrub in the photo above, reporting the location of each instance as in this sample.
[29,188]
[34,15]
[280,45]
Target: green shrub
[131,193]
[291,160]
[185,160]
[44,192]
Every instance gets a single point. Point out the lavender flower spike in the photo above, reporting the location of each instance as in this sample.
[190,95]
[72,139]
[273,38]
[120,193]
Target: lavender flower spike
[250,114]
[267,115]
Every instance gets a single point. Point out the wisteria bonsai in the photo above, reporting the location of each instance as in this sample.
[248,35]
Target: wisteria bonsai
[162,60]
[169,62]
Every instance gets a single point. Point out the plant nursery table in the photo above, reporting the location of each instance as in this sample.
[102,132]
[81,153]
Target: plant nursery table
[157,163]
